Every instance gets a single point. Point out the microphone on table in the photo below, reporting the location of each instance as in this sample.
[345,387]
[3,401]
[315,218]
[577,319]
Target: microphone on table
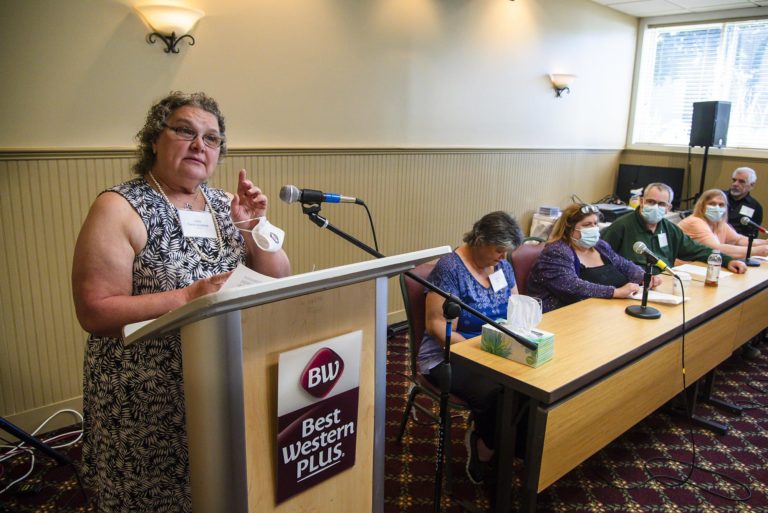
[751,236]
[749,222]
[643,311]
[292,194]
[640,248]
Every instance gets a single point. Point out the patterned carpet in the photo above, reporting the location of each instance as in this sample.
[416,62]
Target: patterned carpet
[596,486]
[615,479]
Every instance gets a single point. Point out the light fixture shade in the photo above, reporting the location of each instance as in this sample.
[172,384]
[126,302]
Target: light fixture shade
[170,19]
[561,81]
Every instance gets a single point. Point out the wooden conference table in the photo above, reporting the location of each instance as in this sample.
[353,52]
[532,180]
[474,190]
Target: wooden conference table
[609,372]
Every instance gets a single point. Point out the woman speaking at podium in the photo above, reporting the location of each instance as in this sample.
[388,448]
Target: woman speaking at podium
[148,246]
[576,264]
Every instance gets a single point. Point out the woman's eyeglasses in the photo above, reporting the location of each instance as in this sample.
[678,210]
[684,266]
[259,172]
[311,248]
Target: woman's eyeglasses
[589,209]
[213,141]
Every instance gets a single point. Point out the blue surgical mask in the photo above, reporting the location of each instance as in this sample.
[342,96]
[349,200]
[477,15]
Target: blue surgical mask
[589,237]
[653,214]
[714,214]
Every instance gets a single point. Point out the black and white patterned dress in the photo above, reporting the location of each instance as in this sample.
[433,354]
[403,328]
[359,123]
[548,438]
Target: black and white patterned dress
[135,446]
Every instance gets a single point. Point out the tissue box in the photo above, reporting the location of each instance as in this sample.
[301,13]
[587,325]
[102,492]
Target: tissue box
[496,342]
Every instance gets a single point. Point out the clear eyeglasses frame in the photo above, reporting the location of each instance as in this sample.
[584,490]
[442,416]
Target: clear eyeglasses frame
[653,203]
[213,141]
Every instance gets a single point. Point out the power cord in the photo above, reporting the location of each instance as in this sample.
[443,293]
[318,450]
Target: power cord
[674,481]
[370,221]
[20,448]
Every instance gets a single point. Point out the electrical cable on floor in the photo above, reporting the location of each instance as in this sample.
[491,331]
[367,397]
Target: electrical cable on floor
[674,481]
[20,448]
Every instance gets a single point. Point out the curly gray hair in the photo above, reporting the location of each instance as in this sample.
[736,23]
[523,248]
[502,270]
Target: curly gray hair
[158,115]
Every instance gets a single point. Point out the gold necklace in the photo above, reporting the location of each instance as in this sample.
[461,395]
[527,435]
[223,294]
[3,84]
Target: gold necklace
[192,243]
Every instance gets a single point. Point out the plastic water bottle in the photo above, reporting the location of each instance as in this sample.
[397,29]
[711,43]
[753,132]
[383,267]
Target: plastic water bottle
[713,268]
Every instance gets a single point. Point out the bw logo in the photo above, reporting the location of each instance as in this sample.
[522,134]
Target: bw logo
[322,372]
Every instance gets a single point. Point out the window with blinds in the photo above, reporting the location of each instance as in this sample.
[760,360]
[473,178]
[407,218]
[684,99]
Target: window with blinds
[680,65]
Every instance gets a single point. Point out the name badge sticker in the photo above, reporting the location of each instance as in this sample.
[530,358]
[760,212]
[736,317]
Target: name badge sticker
[498,280]
[746,211]
[197,224]
[663,240]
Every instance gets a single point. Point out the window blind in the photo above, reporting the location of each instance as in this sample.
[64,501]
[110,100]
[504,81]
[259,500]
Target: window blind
[680,65]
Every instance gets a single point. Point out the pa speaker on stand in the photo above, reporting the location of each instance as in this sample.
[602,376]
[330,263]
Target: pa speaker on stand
[709,127]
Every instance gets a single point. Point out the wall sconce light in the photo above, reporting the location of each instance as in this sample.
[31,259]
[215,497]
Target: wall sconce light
[168,21]
[561,83]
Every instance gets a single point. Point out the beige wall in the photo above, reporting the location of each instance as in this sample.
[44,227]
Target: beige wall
[718,172]
[324,73]
[433,111]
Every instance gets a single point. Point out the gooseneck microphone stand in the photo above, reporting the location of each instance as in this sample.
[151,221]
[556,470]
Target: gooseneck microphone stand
[643,311]
[313,212]
[747,260]
[451,309]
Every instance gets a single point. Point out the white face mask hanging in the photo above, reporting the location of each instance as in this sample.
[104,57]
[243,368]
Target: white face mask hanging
[268,237]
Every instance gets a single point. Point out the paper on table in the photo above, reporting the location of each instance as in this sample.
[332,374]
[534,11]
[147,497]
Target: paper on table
[698,272]
[654,296]
[242,276]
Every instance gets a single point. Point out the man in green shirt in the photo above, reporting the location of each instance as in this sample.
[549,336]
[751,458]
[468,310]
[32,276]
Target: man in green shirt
[663,238]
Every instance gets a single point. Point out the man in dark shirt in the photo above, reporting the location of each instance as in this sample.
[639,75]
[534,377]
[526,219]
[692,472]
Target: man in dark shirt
[740,201]
[662,237]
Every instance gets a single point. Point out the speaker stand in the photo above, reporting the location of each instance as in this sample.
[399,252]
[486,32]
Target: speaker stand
[703,173]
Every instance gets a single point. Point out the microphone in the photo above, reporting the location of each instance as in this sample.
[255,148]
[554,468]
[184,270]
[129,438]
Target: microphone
[292,194]
[640,248]
[749,222]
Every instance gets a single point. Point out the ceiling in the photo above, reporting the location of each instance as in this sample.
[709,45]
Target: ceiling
[645,8]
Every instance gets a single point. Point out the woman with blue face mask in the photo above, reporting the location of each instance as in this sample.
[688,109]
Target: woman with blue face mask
[708,225]
[576,264]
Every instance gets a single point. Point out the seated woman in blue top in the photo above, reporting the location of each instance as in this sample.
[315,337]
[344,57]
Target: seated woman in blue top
[576,264]
[478,273]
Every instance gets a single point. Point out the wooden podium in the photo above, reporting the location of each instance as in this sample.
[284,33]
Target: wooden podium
[231,341]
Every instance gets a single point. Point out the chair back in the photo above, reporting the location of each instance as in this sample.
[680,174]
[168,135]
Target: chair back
[414,301]
[523,259]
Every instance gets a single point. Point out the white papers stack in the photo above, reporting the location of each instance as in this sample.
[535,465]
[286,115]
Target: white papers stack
[697,272]
[243,276]
[654,296]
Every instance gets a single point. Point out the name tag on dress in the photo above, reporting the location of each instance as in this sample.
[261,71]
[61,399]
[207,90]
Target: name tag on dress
[663,240]
[197,224]
[746,211]
[498,280]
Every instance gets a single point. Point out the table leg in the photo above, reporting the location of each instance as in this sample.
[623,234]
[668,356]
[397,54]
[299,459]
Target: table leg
[534,447]
[505,446]
[709,385]
[692,393]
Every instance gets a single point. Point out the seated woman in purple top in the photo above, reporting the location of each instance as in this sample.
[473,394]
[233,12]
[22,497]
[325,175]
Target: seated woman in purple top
[577,265]
[478,273]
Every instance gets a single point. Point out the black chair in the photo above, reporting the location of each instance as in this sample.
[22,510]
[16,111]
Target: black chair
[414,300]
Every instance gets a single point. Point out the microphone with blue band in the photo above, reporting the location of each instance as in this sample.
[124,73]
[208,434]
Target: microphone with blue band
[292,194]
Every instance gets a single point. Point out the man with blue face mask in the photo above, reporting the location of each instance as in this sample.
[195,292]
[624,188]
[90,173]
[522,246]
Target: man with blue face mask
[649,225]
